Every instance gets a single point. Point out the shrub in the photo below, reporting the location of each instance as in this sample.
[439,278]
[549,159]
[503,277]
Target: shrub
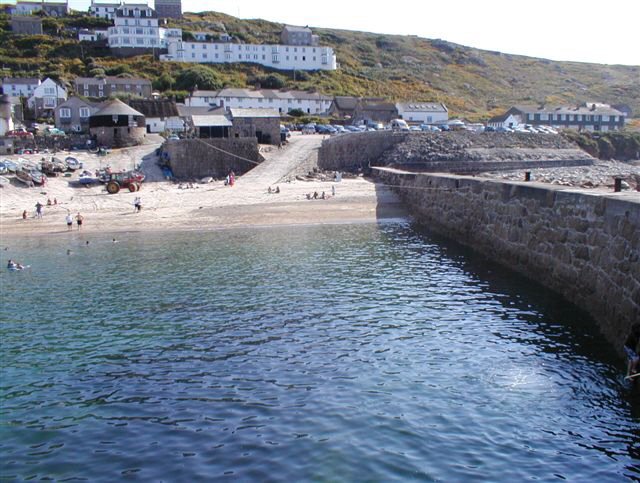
[199,75]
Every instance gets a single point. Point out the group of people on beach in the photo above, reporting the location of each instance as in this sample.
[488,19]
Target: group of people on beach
[78,218]
[323,196]
[275,191]
[230,180]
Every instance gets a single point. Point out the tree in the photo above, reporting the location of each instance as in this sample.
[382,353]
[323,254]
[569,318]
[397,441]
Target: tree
[273,81]
[296,113]
[198,75]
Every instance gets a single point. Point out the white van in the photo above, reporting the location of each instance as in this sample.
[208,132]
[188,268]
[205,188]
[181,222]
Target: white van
[399,125]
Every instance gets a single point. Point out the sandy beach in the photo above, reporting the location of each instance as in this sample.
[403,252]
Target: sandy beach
[170,206]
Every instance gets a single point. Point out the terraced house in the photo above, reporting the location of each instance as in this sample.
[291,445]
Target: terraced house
[588,116]
[281,100]
[100,87]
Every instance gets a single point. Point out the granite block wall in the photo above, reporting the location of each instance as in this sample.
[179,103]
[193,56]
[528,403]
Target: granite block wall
[585,246]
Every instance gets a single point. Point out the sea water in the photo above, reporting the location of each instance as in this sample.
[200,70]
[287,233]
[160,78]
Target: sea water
[334,353]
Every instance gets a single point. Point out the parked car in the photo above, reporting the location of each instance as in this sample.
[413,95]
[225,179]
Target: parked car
[173,137]
[19,133]
[53,131]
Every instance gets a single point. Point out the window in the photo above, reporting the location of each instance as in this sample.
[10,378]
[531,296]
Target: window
[86,93]
[65,112]
[49,102]
[49,91]
[204,56]
[139,31]
[113,87]
[84,112]
[140,41]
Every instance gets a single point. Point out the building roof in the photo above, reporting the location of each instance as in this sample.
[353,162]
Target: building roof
[422,107]
[293,28]
[111,80]
[155,107]
[377,106]
[116,107]
[500,118]
[186,111]
[586,109]
[79,100]
[40,2]
[21,80]
[128,11]
[345,103]
[262,113]
[211,120]
[263,94]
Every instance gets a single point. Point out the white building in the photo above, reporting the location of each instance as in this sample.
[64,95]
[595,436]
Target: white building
[58,8]
[46,97]
[423,112]
[282,100]
[507,121]
[85,35]
[275,56]
[19,87]
[135,26]
[103,10]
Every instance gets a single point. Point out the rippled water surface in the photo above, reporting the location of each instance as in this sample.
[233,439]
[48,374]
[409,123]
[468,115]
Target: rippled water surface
[343,353]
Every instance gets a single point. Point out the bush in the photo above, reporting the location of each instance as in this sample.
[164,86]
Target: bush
[199,75]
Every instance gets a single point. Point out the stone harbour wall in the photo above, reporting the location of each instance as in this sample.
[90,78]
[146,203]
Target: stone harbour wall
[585,246]
[356,150]
[199,158]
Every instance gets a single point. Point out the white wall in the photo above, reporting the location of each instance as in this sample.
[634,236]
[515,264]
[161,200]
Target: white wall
[310,106]
[425,117]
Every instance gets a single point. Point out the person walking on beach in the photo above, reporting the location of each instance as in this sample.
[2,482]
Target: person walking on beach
[69,220]
[38,210]
[24,215]
[79,219]
[333,190]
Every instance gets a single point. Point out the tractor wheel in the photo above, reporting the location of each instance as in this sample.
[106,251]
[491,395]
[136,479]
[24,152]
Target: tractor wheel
[132,187]
[113,187]
[138,186]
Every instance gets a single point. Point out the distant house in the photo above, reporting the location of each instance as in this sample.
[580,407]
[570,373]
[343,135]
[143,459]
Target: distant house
[135,29]
[72,116]
[205,122]
[46,98]
[103,9]
[374,112]
[26,25]
[85,35]
[506,120]
[101,87]
[160,114]
[263,124]
[20,86]
[343,107]
[169,8]
[589,116]
[292,35]
[51,8]
[423,112]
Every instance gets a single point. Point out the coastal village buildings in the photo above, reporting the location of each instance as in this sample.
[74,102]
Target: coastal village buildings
[205,122]
[46,97]
[276,56]
[589,116]
[343,107]
[507,120]
[292,35]
[423,112]
[6,116]
[281,100]
[85,35]
[101,87]
[72,116]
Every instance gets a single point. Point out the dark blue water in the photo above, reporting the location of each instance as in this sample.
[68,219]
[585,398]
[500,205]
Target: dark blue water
[342,353]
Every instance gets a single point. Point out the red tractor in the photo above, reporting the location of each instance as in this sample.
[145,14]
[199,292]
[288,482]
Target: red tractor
[131,180]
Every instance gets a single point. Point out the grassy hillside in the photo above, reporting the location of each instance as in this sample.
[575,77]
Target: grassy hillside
[473,83]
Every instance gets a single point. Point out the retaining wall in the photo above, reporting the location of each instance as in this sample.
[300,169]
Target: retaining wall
[356,150]
[198,158]
[584,246]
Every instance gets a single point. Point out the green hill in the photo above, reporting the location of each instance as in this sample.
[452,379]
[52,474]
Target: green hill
[471,82]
